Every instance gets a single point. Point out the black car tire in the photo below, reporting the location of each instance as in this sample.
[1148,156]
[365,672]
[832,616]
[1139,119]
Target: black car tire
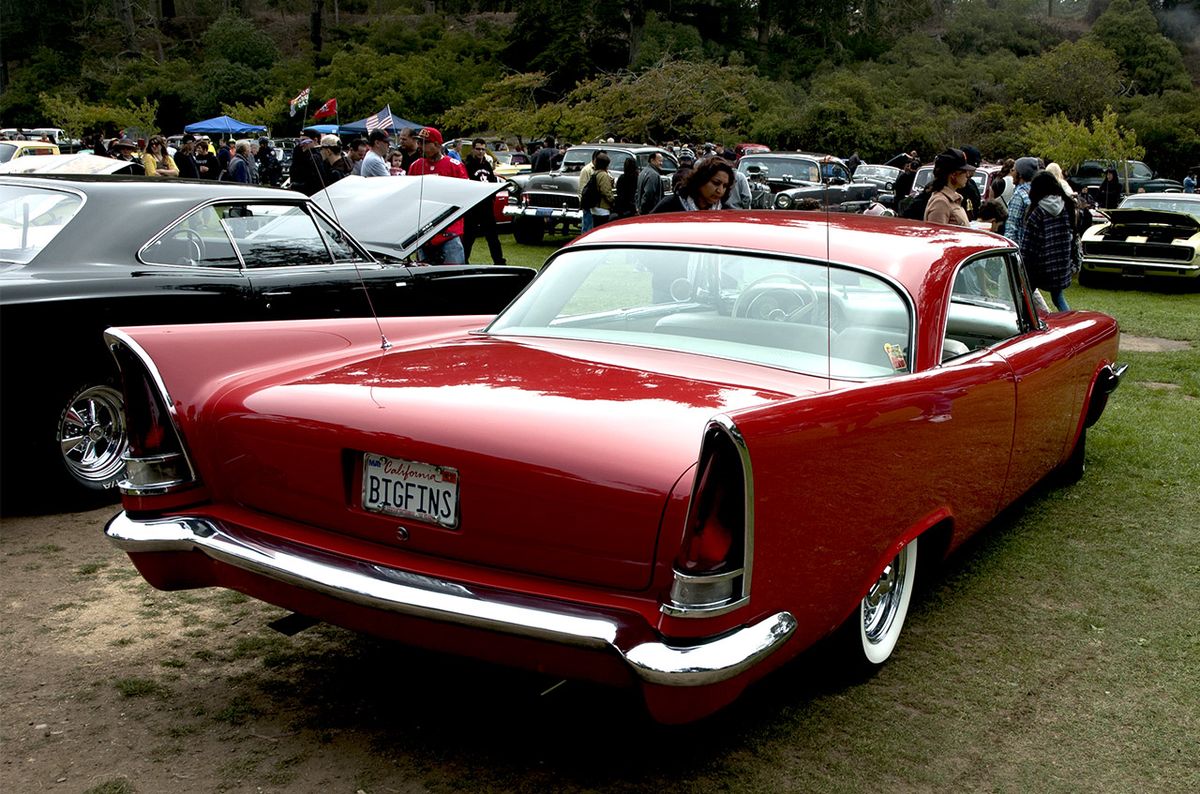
[1072,470]
[528,231]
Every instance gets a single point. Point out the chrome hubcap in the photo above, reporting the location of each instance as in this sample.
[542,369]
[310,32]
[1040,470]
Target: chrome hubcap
[92,435]
[883,600]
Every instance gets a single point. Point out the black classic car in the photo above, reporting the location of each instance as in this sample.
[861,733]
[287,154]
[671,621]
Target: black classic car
[809,181]
[80,254]
[1134,175]
[550,200]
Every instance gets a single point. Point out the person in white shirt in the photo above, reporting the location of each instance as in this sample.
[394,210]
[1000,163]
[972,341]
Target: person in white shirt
[375,162]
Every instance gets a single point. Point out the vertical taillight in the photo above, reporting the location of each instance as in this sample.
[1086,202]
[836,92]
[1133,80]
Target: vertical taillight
[156,461]
[712,571]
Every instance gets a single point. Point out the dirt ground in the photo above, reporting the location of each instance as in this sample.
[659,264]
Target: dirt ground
[108,685]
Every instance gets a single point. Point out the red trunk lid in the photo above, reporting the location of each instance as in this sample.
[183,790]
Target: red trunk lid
[563,463]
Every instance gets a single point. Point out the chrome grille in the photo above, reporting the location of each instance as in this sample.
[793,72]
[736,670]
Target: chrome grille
[556,200]
[1169,253]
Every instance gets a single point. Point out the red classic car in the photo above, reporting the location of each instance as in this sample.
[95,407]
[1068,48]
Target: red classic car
[693,447]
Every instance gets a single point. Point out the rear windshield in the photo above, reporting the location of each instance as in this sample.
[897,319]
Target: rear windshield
[808,317]
[30,217]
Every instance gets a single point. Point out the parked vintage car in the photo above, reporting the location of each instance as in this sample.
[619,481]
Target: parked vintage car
[693,447]
[800,179]
[80,254]
[743,149]
[12,150]
[882,177]
[552,200]
[1151,235]
[1133,174]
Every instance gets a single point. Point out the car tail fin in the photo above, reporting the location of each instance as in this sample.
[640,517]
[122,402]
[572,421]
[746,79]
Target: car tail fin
[712,570]
[157,461]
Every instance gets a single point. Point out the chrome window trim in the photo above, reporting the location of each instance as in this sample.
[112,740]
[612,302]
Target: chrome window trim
[304,205]
[114,337]
[1020,286]
[54,188]
[914,323]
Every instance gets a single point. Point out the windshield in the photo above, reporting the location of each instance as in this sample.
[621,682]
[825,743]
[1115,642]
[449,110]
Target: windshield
[1163,202]
[30,217]
[7,150]
[783,168]
[885,172]
[799,316]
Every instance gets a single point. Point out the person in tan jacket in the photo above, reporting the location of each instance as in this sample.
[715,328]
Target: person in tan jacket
[951,171]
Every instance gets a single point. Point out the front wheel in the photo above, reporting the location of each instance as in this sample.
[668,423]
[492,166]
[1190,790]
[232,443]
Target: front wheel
[92,437]
[871,634]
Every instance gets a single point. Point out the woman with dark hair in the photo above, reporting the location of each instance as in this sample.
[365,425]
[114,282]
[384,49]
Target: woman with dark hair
[1048,247]
[951,172]
[1110,189]
[703,188]
[157,160]
[626,204]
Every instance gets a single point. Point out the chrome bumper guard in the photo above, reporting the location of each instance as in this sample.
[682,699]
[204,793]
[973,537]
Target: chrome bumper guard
[391,589]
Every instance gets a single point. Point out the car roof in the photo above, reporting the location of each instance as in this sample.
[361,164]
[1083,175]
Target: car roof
[123,188]
[916,254]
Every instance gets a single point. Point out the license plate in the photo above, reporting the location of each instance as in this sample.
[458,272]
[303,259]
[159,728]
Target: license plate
[410,489]
[543,211]
[1134,271]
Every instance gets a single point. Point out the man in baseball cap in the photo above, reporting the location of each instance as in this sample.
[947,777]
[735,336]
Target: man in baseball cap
[446,247]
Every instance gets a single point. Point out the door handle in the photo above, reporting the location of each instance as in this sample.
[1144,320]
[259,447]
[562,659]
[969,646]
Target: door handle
[277,294]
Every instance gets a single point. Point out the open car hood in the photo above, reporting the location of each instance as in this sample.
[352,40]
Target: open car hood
[66,164]
[397,215]
[1142,216]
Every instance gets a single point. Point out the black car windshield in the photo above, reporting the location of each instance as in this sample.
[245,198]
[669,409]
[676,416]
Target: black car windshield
[30,217]
[1162,202]
[798,169]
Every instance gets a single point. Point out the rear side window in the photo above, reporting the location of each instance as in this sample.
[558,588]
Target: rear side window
[199,240]
[276,235]
[30,217]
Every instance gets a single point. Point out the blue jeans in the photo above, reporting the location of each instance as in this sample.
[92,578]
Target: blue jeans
[1060,300]
[448,253]
[588,222]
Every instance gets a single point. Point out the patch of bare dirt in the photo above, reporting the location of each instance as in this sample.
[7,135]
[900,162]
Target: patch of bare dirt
[1152,344]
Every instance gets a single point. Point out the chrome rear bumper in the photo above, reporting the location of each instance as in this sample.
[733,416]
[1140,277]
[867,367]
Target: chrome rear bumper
[379,587]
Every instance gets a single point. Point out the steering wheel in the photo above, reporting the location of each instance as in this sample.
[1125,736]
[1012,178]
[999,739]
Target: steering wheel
[767,299]
[195,239]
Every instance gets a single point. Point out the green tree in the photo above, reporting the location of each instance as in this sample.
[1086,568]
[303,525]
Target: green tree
[1151,61]
[237,40]
[79,117]
[1069,143]
[1079,79]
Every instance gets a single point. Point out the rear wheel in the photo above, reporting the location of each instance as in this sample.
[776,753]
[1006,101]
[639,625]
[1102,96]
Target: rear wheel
[868,638]
[528,231]
[92,437]
[1072,470]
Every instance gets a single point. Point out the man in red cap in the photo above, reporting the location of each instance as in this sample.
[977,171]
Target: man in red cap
[446,247]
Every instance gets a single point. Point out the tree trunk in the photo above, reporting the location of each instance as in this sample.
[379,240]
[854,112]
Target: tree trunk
[168,9]
[124,10]
[314,33]
[764,24]
[637,29]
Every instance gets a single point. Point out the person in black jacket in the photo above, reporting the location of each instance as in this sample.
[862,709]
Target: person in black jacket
[305,172]
[481,220]
[703,188]
[544,158]
[1109,191]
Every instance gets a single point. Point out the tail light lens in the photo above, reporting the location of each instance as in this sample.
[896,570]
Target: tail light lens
[712,571]
[156,461]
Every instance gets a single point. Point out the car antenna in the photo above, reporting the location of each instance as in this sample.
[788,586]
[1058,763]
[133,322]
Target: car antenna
[384,344]
[828,288]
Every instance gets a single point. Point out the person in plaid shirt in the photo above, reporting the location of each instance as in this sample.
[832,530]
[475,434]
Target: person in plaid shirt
[1048,241]
[1018,205]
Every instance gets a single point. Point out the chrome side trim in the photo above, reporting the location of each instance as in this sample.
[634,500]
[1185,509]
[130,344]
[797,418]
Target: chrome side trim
[707,661]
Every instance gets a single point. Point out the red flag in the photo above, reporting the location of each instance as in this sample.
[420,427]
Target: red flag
[327,110]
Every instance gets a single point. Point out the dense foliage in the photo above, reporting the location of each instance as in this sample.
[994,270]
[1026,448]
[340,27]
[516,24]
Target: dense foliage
[876,76]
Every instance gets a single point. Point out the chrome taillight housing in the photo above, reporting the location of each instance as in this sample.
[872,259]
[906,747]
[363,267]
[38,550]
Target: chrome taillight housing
[712,570]
[156,461]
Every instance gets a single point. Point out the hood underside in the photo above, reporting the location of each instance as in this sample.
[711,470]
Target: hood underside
[1186,223]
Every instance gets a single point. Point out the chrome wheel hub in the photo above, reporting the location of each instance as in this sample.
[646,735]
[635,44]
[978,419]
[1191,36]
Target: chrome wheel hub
[884,599]
[92,435]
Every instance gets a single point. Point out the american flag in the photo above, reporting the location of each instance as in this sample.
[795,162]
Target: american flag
[381,120]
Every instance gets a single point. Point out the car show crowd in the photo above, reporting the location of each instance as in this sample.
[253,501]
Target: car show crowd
[1027,199]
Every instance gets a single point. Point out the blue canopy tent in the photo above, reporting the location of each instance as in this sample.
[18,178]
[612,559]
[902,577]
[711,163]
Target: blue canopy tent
[223,125]
[324,129]
[360,127]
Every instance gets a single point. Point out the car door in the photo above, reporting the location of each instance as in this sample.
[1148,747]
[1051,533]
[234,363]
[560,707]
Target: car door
[1040,356]
[300,265]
